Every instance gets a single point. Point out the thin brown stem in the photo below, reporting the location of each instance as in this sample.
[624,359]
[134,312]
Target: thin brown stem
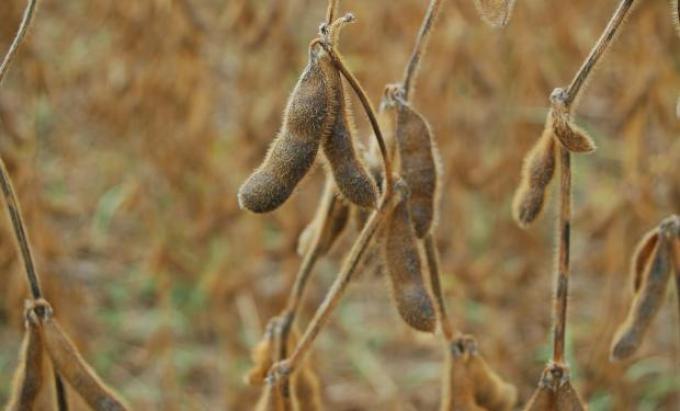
[14,211]
[563,234]
[21,33]
[283,369]
[13,206]
[447,328]
[332,10]
[598,50]
[370,112]
[420,47]
[297,292]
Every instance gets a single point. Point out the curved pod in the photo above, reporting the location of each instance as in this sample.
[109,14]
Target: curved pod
[309,117]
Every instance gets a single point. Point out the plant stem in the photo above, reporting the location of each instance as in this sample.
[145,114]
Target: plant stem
[420,47]
[13,206]
[370,112]
[283,369]
[433,267]
[598,50]
[568,99]
[332,10]
[563,234]
[14,211]
[21,32]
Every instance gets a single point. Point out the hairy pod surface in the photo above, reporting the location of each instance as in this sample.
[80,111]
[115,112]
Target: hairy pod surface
[641,257]
[543,399]
[572,137]
[567,399]
[349,172]
[418,159]
[29,376]
[307,390]
[496,13]
[70,364]
[403,262]
[553,384]
[262,356]
[331,218]
[491,392]
[272,399]
[538,171]
[372,159]
[457,386]
[646,302]
[308,119]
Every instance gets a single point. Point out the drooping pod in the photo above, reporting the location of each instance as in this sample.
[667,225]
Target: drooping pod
[572,137]
[457,387]
[350,174]
[495,12]
[309,118]
[262,356]
[543,399]
[403,262]
[418,165]
[641,257]
[70,364]
[649,295]
[331,218]
[307,390]
[271,399]
[555,392]
[537,173]
[567,399]
[302,392]
[30,373]
[491,392]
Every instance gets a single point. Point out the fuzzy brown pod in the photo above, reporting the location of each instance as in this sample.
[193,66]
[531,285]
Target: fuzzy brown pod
[403,263]
[359,215]
[272,399]
[538,171]
[650,293]
[331,218]
[555,392]
[567,133]
[29,377]
[309,118]
[70,364]
[572,137]
[307,390]
[262,356]
[458,391]
[641,257]
[418,165]
[496,13]
[567,399]
[543,399]
[491,392]
[304,388]
[351,176]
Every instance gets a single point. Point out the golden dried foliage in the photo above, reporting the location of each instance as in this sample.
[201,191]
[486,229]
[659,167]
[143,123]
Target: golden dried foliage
[127,131]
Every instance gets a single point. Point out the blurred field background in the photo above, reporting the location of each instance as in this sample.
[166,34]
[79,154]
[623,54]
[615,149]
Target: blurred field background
[129,125]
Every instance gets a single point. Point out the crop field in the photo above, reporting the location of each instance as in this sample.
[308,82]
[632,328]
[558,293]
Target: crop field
[270,205]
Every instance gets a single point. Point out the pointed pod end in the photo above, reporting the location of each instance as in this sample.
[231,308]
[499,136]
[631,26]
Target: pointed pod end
[625,344]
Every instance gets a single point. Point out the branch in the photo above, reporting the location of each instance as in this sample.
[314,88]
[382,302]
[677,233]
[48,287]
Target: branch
[420,47]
